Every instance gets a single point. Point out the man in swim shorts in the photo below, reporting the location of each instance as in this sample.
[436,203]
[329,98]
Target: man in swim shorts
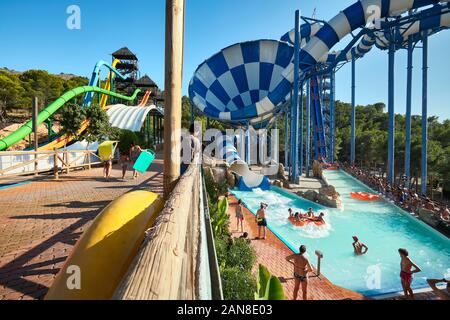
[301,269]
[406,273]
[359,247]
[261,220]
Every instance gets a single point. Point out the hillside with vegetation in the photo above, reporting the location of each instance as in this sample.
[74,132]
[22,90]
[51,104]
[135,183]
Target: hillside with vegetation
[18,88]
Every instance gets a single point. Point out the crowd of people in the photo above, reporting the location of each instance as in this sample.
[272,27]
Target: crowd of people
[404,197]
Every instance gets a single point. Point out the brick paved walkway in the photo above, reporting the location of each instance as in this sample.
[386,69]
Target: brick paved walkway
[272,253]
[40,222]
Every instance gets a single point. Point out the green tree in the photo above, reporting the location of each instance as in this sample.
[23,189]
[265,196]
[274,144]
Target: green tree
[99,127]
[11,93]
[72,118]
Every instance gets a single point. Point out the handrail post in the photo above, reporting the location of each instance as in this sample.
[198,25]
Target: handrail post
[66,160]
[55,164]
[35,131]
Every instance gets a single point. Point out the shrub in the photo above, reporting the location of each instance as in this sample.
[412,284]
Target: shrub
[238,284]
[241,255]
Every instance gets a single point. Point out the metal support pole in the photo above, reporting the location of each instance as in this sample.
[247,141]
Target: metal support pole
[391,121]
[408,112]
[286,139]
[332,114]
[308,127]
[35,108]
[173,85]
[248,144]
[353,116]
[424,171]
[192,113]
[291,135]
[300,156]
[295,96]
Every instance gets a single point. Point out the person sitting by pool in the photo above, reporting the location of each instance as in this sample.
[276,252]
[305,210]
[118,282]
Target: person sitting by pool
[406,273]
[443,294]
[445,214]
[359,247]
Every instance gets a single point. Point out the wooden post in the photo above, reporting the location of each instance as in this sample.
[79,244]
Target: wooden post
[66,160]
[89,160]
[35,111]
[173,82]
[55,164]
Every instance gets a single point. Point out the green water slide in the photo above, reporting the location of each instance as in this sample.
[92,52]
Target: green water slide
[27,128]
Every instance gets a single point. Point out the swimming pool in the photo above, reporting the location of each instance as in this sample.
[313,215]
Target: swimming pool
[381,225]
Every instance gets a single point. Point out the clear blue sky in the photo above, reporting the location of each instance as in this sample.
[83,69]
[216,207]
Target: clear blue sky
[34,35]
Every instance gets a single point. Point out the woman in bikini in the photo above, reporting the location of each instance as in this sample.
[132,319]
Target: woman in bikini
[406,273]
[301,269]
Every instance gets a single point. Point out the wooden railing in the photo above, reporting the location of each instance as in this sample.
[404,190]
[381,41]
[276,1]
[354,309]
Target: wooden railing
[166,267]
[18,163]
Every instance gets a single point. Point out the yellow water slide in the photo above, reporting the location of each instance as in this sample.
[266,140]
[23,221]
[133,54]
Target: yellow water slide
[103,255]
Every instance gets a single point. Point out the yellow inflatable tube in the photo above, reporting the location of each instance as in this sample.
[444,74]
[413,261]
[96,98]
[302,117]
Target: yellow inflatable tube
[102,256]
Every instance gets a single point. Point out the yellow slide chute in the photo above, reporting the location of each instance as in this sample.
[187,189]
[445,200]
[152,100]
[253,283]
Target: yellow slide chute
[102,256]
[65,139]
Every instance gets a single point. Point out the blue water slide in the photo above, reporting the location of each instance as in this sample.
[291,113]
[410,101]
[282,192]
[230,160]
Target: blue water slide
[95,78]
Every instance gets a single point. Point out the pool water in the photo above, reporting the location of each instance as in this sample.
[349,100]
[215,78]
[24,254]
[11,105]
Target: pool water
[381,225]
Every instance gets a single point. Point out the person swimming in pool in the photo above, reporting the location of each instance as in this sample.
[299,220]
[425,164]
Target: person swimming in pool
[301,269]
[407,272]
[359,247]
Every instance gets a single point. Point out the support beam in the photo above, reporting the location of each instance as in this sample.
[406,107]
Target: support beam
[301,151]
[424,170]
[295,96]
[248,144]
[192,111]
[332,113]
[308,127]
[353,116]
[35,109]
[172,85]
[391,120]
[286,139]
[409,69]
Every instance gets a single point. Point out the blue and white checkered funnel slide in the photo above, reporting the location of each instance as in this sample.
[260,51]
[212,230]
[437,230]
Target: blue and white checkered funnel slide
[243,81]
